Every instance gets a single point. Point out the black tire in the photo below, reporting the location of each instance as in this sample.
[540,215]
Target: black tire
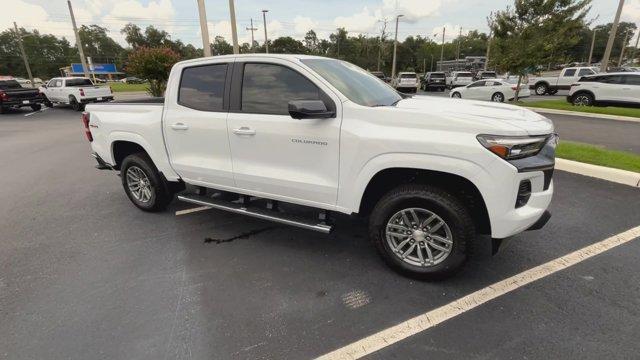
[3,110]
[48,103]
[456,95]
[497,97]
[75,105]
[454,213]
[553,92]
[541,89]
[582,99]
[36,107]
[160,192]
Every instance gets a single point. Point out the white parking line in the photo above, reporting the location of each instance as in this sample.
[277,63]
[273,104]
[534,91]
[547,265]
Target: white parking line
[36,112]
[192,210]
[434,317]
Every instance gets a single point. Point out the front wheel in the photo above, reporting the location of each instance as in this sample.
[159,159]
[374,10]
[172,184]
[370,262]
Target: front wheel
[36,107]
[582,99]
[456,95]
[75,104]
[143,184]
[421,231]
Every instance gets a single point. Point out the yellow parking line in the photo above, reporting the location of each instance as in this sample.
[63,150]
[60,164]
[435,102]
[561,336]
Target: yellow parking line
[434,317]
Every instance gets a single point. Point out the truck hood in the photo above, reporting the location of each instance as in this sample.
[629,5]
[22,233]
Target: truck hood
[497,116]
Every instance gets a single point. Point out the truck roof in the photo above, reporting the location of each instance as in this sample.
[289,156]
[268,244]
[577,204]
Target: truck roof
[260,55]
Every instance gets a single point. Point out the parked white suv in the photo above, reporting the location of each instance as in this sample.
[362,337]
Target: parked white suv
[459,78]
[551,84]
[615,88]
[430,173]
[75,91]
[491,90]
[406,82]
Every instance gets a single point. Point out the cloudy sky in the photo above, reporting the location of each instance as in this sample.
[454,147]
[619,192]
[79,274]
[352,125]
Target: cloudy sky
[285,17]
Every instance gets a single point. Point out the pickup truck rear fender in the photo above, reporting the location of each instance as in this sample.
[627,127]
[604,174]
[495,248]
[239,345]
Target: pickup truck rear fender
[432,169]
[160,160]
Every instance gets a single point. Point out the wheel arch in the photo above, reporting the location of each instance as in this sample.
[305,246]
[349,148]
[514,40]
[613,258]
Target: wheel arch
[389,178]
[123,144]
[584,91]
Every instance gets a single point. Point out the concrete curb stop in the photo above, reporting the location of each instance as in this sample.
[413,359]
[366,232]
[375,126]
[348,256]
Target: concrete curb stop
[584,114]
[601,172]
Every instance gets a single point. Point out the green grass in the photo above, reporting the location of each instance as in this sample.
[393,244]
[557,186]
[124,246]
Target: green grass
[564,105]
[598,156]
[123,87]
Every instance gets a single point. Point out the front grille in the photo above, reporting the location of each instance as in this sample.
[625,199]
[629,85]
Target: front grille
[524,193]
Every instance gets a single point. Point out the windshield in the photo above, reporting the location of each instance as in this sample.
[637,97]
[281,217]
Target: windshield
[9,84]
[355,83]
[79,82]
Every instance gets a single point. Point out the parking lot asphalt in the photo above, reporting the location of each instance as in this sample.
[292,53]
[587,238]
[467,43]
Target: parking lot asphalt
[84,274]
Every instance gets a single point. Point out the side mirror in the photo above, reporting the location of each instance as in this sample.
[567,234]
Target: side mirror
[309,109]
[44,86]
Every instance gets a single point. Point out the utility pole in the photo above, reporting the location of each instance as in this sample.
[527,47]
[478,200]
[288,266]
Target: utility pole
[486,60]
[234,27]
[633,54]
[431,68]
[444,29]
[384,28]
[24,54]
[424,65]
[83,60]
[204,29]
[624,45]
[593,42]
[612,37]
[395,48]
[252,29]
[458,50]
[264,21]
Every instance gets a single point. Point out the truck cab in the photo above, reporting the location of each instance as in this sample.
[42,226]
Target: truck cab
[75,91]
[551,84]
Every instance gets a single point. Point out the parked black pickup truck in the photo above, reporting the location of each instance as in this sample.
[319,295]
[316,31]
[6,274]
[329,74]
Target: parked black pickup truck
[12,95]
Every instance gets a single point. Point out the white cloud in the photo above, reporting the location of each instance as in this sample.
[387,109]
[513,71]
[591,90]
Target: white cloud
[31,16]
[362,22]
[133,11]
[413,10]
[302,24]
[223,28]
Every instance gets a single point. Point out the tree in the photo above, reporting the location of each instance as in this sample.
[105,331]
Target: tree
[287,45]
[311,42]
[526,35]
[153,64]
[99,46]
[220,46]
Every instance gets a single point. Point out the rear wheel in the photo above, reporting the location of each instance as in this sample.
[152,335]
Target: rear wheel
[3,109]
[456,95]
[48,103]
[421,231]
[36,107]
[75,105]
[541,89]
[497,97]
[143,184]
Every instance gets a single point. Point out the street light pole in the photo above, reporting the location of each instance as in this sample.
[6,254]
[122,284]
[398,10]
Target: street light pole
[24,54]
[204,29]
[234,27]
[264,21]
[444,30]
[395,48]
[486,60]
[633,54]
[252,30]
[83,60]
[431,68]
[624,44]
[612,37]
[593,42]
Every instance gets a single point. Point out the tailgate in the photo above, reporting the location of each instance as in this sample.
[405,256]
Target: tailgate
[96,91]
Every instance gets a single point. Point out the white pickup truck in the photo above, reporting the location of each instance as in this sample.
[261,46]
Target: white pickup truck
[431,174]
[551,84]
[74,91]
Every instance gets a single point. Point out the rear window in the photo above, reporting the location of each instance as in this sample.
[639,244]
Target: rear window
[202,87]
[488,74]
[78,82]
[408,76]
[9,84]
[437,76]
[464,74]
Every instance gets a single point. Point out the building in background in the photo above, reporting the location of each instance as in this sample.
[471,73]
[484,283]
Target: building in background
[469,63]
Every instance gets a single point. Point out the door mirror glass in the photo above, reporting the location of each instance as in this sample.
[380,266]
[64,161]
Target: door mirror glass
[309,109]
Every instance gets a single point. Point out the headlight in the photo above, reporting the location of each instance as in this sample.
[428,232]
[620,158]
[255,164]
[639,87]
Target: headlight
[513,147]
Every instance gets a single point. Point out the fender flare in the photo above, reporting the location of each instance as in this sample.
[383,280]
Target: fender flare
[160,160]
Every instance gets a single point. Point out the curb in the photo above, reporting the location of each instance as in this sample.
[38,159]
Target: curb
[601,172]
[583,114]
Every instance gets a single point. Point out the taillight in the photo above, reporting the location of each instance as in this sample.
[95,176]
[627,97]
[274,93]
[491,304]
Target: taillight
[3,95]
[514,88]
[85,122]
[81,92]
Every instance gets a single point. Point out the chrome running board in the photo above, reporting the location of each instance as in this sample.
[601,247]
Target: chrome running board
[256,212]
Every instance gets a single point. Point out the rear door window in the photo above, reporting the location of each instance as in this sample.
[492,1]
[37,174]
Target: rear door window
[78,82]
[584,72]
[632,79]
[478,84]
[569,72]
[202,87]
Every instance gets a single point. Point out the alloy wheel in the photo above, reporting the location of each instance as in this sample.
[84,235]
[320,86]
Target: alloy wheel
[419,237]
[139,184]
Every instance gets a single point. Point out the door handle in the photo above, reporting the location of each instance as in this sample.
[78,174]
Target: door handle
[244,131]
[179,126]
